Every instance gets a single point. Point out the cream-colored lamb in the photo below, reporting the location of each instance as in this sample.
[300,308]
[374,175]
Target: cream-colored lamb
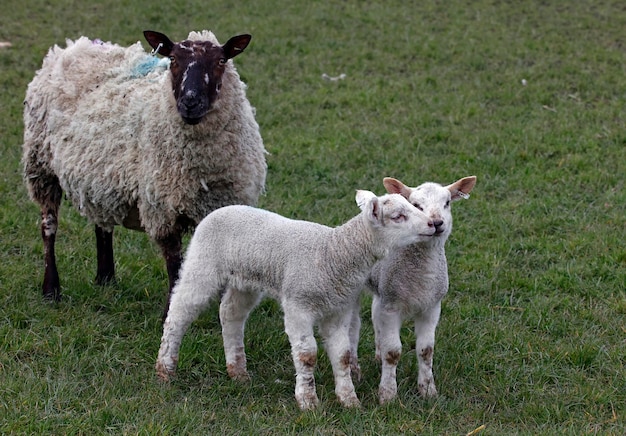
[410,283]
[316,272]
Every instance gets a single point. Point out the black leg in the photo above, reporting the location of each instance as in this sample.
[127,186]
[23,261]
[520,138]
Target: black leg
[106,265]
[171,247]
[51,287]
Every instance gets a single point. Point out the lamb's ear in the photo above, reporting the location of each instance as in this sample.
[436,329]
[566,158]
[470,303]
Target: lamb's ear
[368,202]
[394,186]
[461,188]
[236,45]
[159,42]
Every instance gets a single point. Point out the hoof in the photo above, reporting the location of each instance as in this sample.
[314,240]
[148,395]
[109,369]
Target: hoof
[308,402]
[427,390]
[163,373]
[386,394]
[351,402]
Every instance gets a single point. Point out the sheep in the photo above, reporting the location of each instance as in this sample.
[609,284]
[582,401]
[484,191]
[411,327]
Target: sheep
[410,283]
[316,272]
[152,145]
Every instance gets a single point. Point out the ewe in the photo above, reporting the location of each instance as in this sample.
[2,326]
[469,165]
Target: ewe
[410,282]
[151,145]
[316,272]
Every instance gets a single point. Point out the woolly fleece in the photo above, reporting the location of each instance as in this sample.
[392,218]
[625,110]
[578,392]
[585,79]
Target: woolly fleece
[115,141]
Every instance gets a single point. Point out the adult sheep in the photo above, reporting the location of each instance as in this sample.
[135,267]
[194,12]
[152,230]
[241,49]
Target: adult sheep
[153,145]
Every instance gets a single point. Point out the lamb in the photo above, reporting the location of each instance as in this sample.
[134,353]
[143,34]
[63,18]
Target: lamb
[153,145]
[316,272]
[410,283]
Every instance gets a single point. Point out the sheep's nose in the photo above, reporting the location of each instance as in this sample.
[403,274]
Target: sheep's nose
[190,101]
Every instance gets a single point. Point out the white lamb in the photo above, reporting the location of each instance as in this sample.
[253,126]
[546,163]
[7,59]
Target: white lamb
[153,145]
[316,272]
[410,283]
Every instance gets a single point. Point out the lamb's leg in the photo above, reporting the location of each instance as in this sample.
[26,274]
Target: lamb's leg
[299,329]
[234,310]
[49,223]
[355,330]
[189,299]
[336,334]
[425,325]
[104,248]
[389,348]
[171,247]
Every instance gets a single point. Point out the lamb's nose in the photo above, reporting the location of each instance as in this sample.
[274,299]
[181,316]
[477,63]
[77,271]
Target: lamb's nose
[438,225]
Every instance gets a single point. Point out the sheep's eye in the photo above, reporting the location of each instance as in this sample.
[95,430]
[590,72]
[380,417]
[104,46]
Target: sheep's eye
[172,60]
[417,205]
[398,218]
[447,204]
[222,61]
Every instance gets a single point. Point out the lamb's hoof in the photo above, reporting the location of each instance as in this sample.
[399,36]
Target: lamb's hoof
[386,394]
[237,370]
[427,390]
[308,401]
[163,372]
[351,401]
[238,374]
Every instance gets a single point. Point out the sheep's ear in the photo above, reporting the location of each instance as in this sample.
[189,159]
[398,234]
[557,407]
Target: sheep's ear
[394,186]
[236,45]
[159,42]
[368,202]
[461,188]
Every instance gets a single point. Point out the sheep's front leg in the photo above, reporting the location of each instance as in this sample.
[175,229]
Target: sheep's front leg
[387,324]
[171,247]
[336,334]
[425,325]
[299,329]
[235,308]
[51,287]
[104,250]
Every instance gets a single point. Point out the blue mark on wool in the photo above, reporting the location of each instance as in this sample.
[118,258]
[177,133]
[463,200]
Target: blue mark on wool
[148,65]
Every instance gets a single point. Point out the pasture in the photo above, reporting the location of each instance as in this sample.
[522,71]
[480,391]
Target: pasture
[528,96]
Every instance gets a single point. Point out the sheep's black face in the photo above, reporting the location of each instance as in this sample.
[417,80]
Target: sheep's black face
[196,68]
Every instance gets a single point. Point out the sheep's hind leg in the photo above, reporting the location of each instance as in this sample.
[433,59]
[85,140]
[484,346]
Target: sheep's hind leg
[235,308]
[104,248]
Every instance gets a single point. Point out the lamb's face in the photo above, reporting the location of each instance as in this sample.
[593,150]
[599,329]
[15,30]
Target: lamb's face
[434,200]
[394,220]
[407,223]
[196,68]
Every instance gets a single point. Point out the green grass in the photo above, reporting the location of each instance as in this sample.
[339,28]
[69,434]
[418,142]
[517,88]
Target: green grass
[532,336]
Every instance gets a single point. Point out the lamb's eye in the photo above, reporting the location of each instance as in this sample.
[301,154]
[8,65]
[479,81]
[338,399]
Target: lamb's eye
[398,218]
[447,204]
[172,60]
[417,205]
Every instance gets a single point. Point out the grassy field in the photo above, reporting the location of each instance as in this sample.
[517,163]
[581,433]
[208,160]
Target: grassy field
[528,96]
